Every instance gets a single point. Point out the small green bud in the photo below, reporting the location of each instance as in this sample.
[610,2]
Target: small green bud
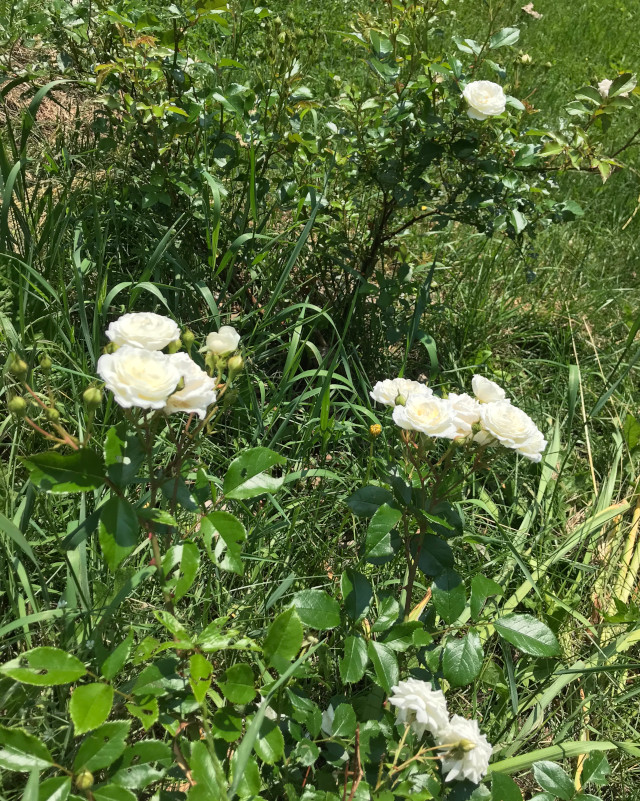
[235,364]
[19,368]
[211,361]
[111,347]
[45,363]
[53,415]
[188,338]
[401,400]
[18,406]
[175,346]
[92,397]
[84,780]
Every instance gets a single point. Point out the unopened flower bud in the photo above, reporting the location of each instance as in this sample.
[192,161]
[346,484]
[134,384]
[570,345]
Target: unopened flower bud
[375,430]
[211,361]
[401,400]
[45,363]
[84,780]
[18,406]
[92,398]
[235,364]
[53,415]
[525,58]
[19,368]
[188,338]
[174,346]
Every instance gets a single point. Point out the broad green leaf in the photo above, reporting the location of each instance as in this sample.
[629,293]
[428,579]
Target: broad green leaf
[344,721]
[504,38]
[116,660]
[103,746]
[147,712]
[317,609]
[90,706]
[246,475]
[224,534]
[553,779]
[269,744]
[208,775]
[481,589]
[57,788]
[528,634]
[596,768]
[237,684]
[366,501]
[631,431]
[21,751]
[518,220]
[388,613]
[503,788]
[385,665]
[112,792]
[119,529]
[449,596]
[44,666]
[622,84]
[180,567]
[357,593]
[200,670]
[227,724]
[354,662]
[250,783]
[435,556]
[462,659]
[57,472]
[378,548]
[589,93]
[123,455]
[284,637]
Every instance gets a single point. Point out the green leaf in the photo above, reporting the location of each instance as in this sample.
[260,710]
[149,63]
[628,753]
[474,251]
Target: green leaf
[449,596]
[284,637]
[237,684]
[591,94]
[378,548]
[123,455]
[596,768]
[119,529]
[44,666]
[227,724]
[90,706]
[554,780]
[503,788]
[354,662]
[462,659]
[200,670]
[366,501]
[481,589]
[57,788]
[225,533]
[631,431]
[245,477]
[147,712]
[504,38]
[435,556]
[385,665]
[208,775]
[21,751]
[344,721]
[357,593]
[528,634]
[250,783]
[57,472]
[114,663]
[388,613]
[623,83]
[112,792]
[317,609]
[184,559]
[103,746]
[269,744]
[518,220]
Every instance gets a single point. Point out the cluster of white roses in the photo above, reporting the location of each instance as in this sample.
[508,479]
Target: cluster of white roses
[140,374]
[464,751]
[487,419]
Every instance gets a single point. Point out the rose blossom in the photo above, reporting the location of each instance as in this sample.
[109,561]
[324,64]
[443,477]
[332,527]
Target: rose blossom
[466,752]
[420,706]
[428,414]
[466,412]
[485,98]
[137,377]
[388,390]
[143,330]
[605,85]
[224,341]
[513,428]
[487,391]
[198,392]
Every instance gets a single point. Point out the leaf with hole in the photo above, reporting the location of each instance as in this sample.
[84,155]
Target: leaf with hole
[103,746]
[246,476]
[44,666]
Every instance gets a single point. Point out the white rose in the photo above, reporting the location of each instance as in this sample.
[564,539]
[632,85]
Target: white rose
[487,391]
[143,330]
[225,341]
[605,85]
[485,99]
[466,412]
[428,414]
[420,706]
[513,428]
[198,392]
[142,378]
[388,390]
[466,752]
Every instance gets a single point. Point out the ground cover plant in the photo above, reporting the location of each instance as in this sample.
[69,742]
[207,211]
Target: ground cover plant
[320,342]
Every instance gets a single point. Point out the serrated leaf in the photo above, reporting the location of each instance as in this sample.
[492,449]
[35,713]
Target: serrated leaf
[344,721]
[21,751]
[57,472]
[354,661]
[226,534]
[200,670]
[116,660]
[227,724]
[449,596]
[103,746]
[239,481]
[435,556]
[378,548]
[147,712]
[269,744]
[367,500]
[180,567]
[237,684]
[317,609]
[462,659]
[123,455]
[45,667]
[357,593]
[90,706]
[208,775]
[528,634]
[481,589]
[622,84]
[503,788]
[112,792]
[385,665]
[504,38]
[57,788]
[119,529]
[554,780]
[284,637]
[596,768]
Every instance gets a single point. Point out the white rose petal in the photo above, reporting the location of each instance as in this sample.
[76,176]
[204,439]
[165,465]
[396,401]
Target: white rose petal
[485,99]
[143,330]
[141,378]
[198,392]
[428,414]
[388,390]
[487,391]
[513,428]
[467,752]
[420,706]
[466,411]
[225,341]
